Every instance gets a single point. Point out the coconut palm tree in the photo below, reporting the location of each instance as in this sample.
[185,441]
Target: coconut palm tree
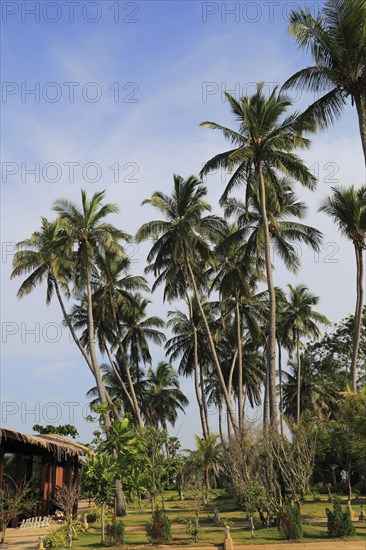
[263,147]
[181,242]
[189,343]
[336,39]
[208,454]
[302,320]
[163,397]
[42,257]
[347,208]
[91,236]
[236,282]
[138,330]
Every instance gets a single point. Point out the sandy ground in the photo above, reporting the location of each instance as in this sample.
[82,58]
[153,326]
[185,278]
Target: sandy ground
[29,538]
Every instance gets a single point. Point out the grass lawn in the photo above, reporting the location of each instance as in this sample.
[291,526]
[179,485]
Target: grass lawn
[212,534]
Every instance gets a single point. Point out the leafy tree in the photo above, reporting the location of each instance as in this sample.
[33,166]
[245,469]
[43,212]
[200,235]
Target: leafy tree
[100,477]
[347,207]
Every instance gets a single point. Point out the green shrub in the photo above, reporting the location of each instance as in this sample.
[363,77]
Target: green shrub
[193,529]
[91,518]
[290,521]
[55,538]
[160,528]
[340,521]
[115,533]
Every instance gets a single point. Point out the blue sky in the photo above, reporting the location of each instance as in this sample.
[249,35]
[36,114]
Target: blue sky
[170,62]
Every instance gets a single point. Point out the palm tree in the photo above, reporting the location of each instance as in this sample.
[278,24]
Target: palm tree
[163,397]
[337,42]
[347,207]
[189,343]
[284,340]
[181,241]
[236,281]
[138,330]
[263,147]
[91,236]
[42,257]
[300,318]
[319,382]
[208,454]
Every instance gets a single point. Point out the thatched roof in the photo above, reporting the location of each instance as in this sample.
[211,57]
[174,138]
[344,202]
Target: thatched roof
[60,446]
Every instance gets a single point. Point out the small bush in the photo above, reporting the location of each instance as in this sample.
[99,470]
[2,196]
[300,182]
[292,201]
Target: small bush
[91,518]
[160,528]
[290,522]
[193,529]
[55,538]
[115,533]
[339,521]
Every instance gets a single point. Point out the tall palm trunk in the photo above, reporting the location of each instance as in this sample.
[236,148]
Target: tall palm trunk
[271,343]
[69,324]
[93,356]
[197,385]
[220,422]
[358,315]
[204,402]
[266,402]
[240,366]
[212,346]
[131,387]
[196,371]
[280,383]
[360,101]
[298,396]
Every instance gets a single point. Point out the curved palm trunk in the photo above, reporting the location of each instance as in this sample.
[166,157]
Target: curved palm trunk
[360,101]
[271,343]
[240,366]
[69,324]
[115,370]
[358,315]
[212,347]
[298,396]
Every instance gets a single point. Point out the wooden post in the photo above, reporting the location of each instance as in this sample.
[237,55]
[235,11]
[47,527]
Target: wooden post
[228,542]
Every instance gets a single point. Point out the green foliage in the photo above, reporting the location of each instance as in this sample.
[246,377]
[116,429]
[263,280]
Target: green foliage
[91,518]
[100,477]
[60,537]
[160,528]
[193,529]
[340,521]
[55,538]
[290,521]
[67,430]
[115,533]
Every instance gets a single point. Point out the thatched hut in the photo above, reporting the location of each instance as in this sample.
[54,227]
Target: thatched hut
[46,461]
